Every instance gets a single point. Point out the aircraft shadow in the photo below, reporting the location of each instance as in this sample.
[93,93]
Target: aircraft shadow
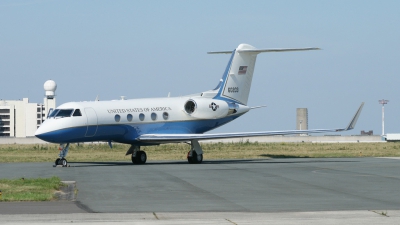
[210,162]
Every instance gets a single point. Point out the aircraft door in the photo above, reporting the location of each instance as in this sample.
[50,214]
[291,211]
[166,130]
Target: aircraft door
[91,117]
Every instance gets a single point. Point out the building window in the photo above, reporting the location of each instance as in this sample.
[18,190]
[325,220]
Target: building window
[4,123]
[153,116]
[117,118]
[38,122]
[4,110]
[165,115]
[129,117]
[5,117]
[141,116]
[39,116]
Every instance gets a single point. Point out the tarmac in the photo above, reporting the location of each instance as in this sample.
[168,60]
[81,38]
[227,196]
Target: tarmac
[277,191]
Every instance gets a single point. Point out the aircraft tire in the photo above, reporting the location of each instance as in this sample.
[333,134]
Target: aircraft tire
[196,158]
[57,161]
[63,162]
[134,159]
[141,158]
[190,159]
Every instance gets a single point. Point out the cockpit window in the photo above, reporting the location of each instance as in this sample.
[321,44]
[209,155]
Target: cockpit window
[64,113]
[77,113]
[49,113]
[54,112]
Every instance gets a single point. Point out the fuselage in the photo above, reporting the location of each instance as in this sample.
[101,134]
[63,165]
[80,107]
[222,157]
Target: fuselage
[125,120]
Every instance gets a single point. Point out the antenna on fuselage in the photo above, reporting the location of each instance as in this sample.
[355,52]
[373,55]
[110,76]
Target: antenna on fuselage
[97,98]
[169,94]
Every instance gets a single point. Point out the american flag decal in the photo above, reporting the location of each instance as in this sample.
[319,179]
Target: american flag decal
[242,70]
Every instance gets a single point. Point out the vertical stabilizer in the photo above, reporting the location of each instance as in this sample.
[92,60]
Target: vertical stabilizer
[236,81]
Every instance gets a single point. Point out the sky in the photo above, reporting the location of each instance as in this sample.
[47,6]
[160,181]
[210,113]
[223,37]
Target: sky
[141,49]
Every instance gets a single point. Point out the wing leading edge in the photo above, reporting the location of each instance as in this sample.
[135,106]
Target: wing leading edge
[165,138]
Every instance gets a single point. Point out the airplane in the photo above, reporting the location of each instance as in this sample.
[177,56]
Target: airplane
[155,121]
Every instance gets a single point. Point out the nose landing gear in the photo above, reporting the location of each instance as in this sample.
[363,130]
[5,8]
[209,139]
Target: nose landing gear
[63,153]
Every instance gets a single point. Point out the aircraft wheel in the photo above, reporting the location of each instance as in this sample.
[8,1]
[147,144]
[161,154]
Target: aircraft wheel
[189,158]
[134,161]
[63,162]
[140,158]
[57,161]
[196,158]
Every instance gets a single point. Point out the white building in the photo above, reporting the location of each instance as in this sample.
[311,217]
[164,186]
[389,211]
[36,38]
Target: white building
[19,118]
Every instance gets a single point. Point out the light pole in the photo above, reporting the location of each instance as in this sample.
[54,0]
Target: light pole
[300,123]
[383,102]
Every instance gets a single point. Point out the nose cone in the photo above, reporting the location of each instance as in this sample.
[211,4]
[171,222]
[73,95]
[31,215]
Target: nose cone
[49,131]
[44,133]
[39,131]
[59,131]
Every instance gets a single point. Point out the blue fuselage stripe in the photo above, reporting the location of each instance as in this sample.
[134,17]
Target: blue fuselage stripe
[128,133]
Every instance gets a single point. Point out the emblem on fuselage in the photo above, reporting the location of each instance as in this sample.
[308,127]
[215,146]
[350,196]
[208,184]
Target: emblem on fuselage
[213,106]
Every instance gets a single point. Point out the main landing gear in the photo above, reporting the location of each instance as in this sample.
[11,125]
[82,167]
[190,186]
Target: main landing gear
[63,153]
[195,155]
[138,157]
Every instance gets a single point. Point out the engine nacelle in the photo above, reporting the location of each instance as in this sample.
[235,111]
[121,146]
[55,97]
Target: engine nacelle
[207,108]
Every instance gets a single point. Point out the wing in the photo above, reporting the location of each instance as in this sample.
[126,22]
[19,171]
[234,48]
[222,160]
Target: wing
[166,138]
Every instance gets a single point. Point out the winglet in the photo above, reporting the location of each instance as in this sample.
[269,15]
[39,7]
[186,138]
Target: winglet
[353,122]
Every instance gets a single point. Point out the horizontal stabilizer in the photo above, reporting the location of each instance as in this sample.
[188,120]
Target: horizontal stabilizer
[265,50]
[257,107]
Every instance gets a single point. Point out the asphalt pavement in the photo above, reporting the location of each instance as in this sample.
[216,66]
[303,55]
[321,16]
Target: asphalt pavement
[266,186]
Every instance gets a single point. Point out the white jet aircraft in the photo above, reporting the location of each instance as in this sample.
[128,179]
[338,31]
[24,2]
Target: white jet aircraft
[154,121]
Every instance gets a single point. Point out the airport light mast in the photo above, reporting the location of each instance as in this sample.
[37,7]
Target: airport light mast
[383,102]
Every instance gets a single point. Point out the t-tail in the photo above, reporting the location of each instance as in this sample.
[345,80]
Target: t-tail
[236,81]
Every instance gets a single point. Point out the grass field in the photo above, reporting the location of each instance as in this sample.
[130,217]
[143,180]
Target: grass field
[242,150]
[23,189]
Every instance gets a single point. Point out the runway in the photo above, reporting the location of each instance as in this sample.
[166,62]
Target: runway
[257,187]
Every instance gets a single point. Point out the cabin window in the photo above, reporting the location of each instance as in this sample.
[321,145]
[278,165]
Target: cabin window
[77,113]
[129,117]
[117,118]
[64,113]
[153,116]
[165,115]
[141,116]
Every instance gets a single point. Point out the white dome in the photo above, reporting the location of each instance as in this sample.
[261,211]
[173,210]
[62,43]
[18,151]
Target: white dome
[50,87]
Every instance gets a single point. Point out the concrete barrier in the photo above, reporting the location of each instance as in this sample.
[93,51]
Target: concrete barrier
[27,140]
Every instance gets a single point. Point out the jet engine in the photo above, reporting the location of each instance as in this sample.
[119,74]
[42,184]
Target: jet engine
[207,108]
